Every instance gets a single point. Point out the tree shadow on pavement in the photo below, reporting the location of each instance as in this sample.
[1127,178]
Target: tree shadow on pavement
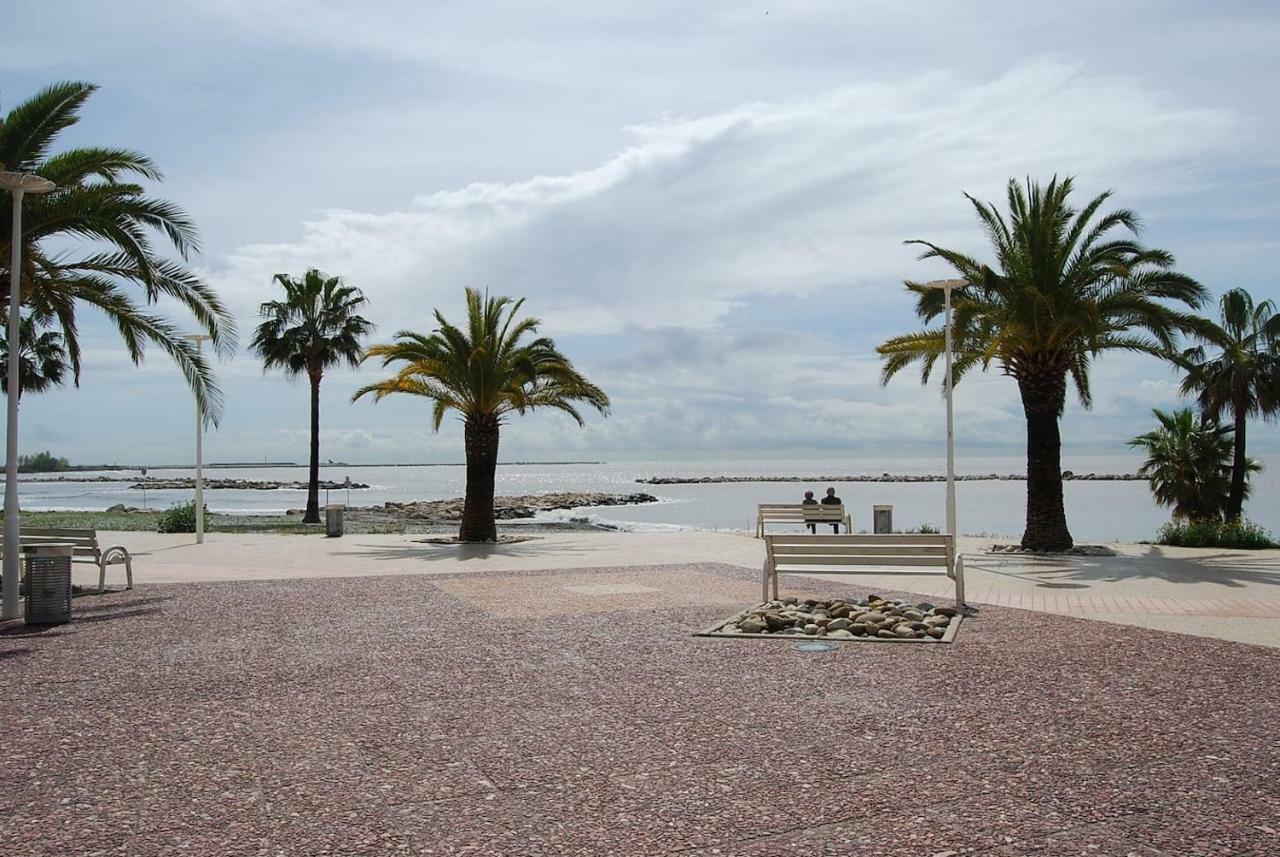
[1225,568]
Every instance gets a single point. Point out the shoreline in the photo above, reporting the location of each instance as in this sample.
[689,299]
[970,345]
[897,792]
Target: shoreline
[426,517]
[1067,476]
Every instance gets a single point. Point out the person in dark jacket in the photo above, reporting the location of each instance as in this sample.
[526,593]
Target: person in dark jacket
[832,500]
[809,501]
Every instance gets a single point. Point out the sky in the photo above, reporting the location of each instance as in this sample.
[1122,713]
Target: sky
[705,203]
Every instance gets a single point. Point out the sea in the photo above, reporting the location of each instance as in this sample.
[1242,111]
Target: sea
[1097,511]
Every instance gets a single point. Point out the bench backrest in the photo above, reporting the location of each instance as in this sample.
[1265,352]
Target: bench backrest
[84,542]
[859,549]
[799,512]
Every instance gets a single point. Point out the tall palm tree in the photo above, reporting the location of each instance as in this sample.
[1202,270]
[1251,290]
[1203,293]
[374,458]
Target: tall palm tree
[42,359]
[89,242]
[486,373]
[1242,379]
[315,327]
[1188,464]
[1063,290]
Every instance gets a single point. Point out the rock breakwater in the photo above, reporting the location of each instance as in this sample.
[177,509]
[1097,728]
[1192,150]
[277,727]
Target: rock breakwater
[510,508]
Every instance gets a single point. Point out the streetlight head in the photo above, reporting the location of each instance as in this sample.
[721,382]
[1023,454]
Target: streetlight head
[24,183]
[946,285]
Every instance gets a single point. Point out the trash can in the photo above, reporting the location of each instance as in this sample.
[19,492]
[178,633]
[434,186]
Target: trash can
[333,520]
[882,519]
[48,574]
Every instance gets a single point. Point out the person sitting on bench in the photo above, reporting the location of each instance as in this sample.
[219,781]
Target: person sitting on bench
[809,501]
[831,500]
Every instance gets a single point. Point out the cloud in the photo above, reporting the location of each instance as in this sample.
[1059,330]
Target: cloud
[700,215]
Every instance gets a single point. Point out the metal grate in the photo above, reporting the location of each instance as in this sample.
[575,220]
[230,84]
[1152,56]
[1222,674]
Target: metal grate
[48,599]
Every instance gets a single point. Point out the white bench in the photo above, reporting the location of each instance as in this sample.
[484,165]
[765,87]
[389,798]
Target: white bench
[800,513]
[862,554]
[84,549]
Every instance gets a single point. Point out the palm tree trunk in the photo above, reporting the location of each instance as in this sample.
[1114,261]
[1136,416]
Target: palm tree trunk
[312,515]
[1235,498]
[481,435]
[1042,399]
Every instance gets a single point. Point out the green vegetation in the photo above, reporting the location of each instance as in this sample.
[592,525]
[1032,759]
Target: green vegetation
[315,327]
[149,522]
[1065,288]
[485,373]
[42,359]
[42,462]
[179,519]
[1239,534]
[1242,380]
[1189,464]
[90,239]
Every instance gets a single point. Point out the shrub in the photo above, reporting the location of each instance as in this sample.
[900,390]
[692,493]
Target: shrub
[1208,533]
[924,530]
[180,519]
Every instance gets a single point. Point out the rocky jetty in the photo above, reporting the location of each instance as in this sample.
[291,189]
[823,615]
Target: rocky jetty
[885,477]
[509,508]
[241,484]
[870,618]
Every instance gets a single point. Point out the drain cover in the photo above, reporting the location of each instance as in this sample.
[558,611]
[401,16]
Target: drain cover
[814,647]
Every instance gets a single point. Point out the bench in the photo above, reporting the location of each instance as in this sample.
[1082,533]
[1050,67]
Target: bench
[84,549]
[799,513]
[862,554]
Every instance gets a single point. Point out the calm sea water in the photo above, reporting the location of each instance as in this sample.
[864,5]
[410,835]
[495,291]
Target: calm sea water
[1097,511]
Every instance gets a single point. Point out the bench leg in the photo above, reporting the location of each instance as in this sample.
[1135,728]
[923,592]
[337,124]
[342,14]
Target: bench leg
[775,583]
[102,577]
[764,582]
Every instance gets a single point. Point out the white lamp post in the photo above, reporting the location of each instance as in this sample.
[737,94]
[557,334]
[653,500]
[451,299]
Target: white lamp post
[198,339]
[18,184]
[947,286]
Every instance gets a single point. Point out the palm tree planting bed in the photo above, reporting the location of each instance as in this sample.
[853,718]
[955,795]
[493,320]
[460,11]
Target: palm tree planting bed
[870,619]
[1076,550]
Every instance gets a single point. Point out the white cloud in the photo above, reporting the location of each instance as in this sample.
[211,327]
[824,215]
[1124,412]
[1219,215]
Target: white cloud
[703,214]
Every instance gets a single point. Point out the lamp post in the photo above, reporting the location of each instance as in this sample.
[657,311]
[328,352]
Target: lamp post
[198,339]
[946,286]
[18,185]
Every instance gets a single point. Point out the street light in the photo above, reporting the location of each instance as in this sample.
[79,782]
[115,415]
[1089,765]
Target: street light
[199,338]
[18,185]
[947,286]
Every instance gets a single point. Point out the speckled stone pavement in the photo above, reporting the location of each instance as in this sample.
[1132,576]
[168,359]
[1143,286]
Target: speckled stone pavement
[572,713]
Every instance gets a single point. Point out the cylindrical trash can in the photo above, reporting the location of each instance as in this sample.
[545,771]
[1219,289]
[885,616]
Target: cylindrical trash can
[48,573]
[882,519]
[333,520]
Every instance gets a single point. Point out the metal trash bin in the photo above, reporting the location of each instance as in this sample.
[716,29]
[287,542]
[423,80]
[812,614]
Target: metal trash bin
[47,569]
[333,520]
[882,519]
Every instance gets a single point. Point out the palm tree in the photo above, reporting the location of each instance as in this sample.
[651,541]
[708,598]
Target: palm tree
[90,240]
[485,373]
[316,326]
[1242,379]
[1189,464]
[42,360]
[1062,291]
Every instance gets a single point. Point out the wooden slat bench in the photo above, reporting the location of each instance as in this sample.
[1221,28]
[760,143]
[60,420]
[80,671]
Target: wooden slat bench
[85,548]
[799,513]
[862,554]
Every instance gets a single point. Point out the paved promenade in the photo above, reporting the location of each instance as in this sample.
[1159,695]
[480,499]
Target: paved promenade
[1223,594]
[463,709]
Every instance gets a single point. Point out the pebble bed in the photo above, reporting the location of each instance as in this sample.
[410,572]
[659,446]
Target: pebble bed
[420,715]
[869,618]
